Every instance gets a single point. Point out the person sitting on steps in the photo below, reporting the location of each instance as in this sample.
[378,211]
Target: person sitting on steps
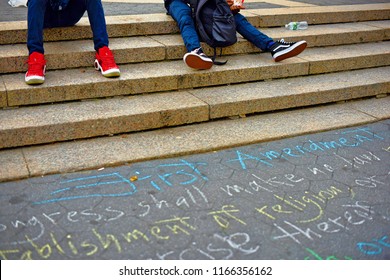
[195,57]
[62,13]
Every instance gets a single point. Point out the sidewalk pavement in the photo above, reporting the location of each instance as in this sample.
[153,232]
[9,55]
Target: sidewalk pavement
[320,196]
[130,7]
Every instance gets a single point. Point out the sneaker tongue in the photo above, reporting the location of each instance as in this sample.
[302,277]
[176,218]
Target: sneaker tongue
[104,51]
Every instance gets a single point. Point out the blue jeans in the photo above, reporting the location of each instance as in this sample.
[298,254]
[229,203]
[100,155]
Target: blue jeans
[181,13]
[40,15]
[251,33]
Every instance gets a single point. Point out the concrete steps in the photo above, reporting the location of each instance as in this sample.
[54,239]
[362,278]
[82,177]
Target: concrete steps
[160,108]
[86,83]
[104,152]
[75,54]
[44,124]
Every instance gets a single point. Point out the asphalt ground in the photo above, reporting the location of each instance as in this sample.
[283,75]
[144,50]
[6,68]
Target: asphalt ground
[131,7]
[319,196]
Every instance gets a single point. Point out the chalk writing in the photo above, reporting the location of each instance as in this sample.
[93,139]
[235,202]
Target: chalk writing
[85,215]
[224,247]
[369,182]
[224,216]
[357,217]
[314,255]
[192,196]
[322,197]
[119,186]
[35,228]
[232,241]
[32,226]
[159,230]
[175,225]
[358,161]
[316,170]
[355,138]
[375,247]
[290,205]
[286,180]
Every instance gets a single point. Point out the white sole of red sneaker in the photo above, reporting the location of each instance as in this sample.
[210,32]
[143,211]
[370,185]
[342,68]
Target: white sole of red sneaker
[110,73]
[34,80]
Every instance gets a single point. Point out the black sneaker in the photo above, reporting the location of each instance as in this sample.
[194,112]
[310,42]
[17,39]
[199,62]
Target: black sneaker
[281,50]
[197,60]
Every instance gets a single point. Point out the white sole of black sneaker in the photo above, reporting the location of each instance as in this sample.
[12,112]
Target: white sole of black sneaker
[197,62]
[292,51]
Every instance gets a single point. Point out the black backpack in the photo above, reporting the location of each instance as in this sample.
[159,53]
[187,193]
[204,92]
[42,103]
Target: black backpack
[214,23]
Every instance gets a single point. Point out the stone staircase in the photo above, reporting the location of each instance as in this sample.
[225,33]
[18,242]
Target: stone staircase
[79,120]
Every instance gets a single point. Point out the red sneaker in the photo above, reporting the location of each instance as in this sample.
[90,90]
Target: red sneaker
[106,64]
[35,74]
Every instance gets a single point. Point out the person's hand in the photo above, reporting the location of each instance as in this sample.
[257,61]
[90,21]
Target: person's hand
[234,6]
[230,2]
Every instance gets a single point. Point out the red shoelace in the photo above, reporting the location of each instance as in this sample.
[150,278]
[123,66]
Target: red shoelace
[35,65]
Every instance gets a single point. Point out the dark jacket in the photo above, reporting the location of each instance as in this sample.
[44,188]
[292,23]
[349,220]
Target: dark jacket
[57,5]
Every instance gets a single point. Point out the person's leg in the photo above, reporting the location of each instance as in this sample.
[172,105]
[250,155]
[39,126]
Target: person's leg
[72,14]
[104,58]
[280,50]
[36,14]
[182,14]
[251,33]
[98,23]
[40,15]
[75,11]
[195,57]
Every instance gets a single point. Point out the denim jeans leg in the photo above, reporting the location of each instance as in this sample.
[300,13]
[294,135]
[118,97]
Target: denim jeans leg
[35,24]
[251,33]
[98,23]
[75,11]
[182,14]
[40,15]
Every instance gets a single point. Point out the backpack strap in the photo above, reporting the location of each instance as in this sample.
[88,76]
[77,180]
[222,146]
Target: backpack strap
[193,4]
[216,62]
